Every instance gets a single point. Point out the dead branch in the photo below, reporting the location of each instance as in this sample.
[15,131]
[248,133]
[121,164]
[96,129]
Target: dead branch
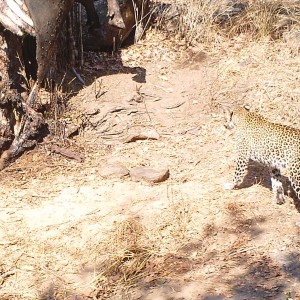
[67,153]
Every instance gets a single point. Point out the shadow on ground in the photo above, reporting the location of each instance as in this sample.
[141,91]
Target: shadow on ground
[234,271]
[259,174]
[99,64]
[211,268]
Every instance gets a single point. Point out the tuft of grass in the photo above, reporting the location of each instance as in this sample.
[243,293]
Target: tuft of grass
[181,212]
[127,255]
[264,19]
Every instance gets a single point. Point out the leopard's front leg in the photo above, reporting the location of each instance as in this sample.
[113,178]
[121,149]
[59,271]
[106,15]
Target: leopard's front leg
[241,167]
[277,186]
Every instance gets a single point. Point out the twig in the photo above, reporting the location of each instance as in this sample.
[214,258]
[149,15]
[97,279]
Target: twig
[5,275]
[242,250]
[79,78]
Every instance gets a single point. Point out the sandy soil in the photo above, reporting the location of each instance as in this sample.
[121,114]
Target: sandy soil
[68,233]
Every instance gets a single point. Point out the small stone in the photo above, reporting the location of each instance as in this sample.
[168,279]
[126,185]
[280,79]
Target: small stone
[195,131]
[141,134]
[292,38]
[92,111]
[71,130]
[113,171]
[210,269]
[149,175]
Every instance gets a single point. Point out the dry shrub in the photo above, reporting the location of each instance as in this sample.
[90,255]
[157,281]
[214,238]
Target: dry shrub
[234,210]
[191,20]
[264,19]
[181,213]
[207,21]
[126,255]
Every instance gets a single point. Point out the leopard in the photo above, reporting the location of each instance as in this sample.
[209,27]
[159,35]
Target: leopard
[273,145]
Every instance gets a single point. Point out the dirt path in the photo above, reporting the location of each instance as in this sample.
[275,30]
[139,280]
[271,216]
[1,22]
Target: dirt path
[65,230]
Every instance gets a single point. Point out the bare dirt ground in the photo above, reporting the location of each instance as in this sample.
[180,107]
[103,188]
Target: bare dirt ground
[68,233]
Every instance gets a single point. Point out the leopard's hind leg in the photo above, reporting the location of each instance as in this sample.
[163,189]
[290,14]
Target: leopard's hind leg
[295,177]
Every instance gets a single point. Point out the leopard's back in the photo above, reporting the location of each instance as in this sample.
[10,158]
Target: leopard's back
[266,142]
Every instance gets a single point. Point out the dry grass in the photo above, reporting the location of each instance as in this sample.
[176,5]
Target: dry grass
[142,17]
[200,21]
[132,251]
[264,19]
[192,21]
[127,254]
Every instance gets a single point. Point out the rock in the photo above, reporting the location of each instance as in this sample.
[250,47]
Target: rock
[292,39]
[113,171]
[209,269]
[108,36]
[149,175]
[71,130]
[227,10]
[91,111]
[141,134]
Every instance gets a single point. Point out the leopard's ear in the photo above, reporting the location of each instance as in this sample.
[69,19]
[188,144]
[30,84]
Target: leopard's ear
[226,109]
[247,107]
[226,112]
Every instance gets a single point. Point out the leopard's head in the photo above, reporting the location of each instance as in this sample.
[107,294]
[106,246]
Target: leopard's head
[234,116]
